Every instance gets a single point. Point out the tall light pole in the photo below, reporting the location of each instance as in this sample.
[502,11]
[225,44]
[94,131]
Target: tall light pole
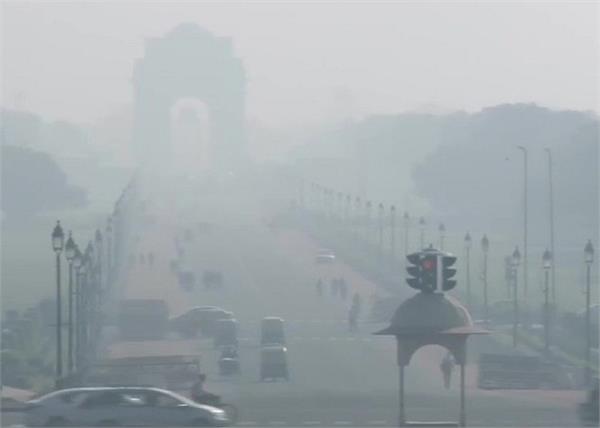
[442,230]
[551,213]
[547,264]
[109,267]
[516,259]
[589,259]
[58,239]
[422,233]
[468,244]
[393,233]
[70,248]
[485,246]
[77,261]
[525,273]
[368,222]
[380,211]
[406,219]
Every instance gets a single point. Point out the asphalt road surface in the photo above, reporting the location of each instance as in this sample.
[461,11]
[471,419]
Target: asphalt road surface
[338,378]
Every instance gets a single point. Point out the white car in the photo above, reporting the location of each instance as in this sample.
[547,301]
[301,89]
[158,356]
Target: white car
[120,406]
[325,256]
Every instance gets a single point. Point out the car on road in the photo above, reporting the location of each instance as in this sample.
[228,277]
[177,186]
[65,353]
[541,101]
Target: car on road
[120,406]
[273,363]
[199,319]
[271,331]
[325,255]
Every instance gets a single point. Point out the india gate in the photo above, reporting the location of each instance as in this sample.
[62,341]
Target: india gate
[189,62]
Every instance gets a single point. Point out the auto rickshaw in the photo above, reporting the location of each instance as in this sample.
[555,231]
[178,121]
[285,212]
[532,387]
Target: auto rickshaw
[273,363]
[226,333]
[271,331]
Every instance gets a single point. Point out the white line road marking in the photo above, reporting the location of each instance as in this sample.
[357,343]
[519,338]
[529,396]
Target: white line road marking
[338,423]
[277,423]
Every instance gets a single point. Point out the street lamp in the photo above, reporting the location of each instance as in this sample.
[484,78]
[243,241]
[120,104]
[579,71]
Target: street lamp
[380,211]
[546,264]
[422,232]
[516,260]
[99,247]
[524,150]
[76,264]
[109,244]
[468,244]
[551,214]
[442,230]
[58,239]
[485,246]
[589,259]
[393,233]
[70,250]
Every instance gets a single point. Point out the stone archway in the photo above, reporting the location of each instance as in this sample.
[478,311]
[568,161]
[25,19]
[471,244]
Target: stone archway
[192,63]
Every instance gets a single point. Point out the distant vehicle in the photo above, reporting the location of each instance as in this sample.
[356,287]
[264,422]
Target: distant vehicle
[143,319]
[271,331]
[200,319]
[120,406]
[226,333]
[325,255]
[174,372]
[273,363]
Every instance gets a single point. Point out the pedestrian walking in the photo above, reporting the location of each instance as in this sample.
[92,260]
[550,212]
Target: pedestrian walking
[446,366]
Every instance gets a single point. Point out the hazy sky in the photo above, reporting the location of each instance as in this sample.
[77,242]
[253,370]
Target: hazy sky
[311,60]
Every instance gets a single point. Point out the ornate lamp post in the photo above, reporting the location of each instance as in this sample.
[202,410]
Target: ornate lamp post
[99,247]
[393,233]
[70,248]
[58,238]
[546,264]
[380,211]
[422,233]
[525,275]
[589,259]
[516,260]
[442,230]
[77,262]
[109,264]
[468,244]
[485,246]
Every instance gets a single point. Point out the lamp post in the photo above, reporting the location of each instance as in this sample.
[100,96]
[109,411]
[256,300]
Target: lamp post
[58,238]
[90,295]
[516,259]
[77,261]
[546,264]
[422,233]
[589,259]
[99,248]
[524,150]
[442,230]
[109,274]
[551,214]
[368,222]
[485,246]
[393,233]
[70,248]
[380,210]
[468,244]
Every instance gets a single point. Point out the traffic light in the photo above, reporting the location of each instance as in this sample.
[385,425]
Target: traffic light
[429,264]
[414,271]
[423,272]
[431,270]
[448,272]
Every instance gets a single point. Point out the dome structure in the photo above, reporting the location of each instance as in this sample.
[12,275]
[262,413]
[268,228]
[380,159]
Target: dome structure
[429,313]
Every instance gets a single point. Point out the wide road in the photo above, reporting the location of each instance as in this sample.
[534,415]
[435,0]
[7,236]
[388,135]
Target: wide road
[338,378]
